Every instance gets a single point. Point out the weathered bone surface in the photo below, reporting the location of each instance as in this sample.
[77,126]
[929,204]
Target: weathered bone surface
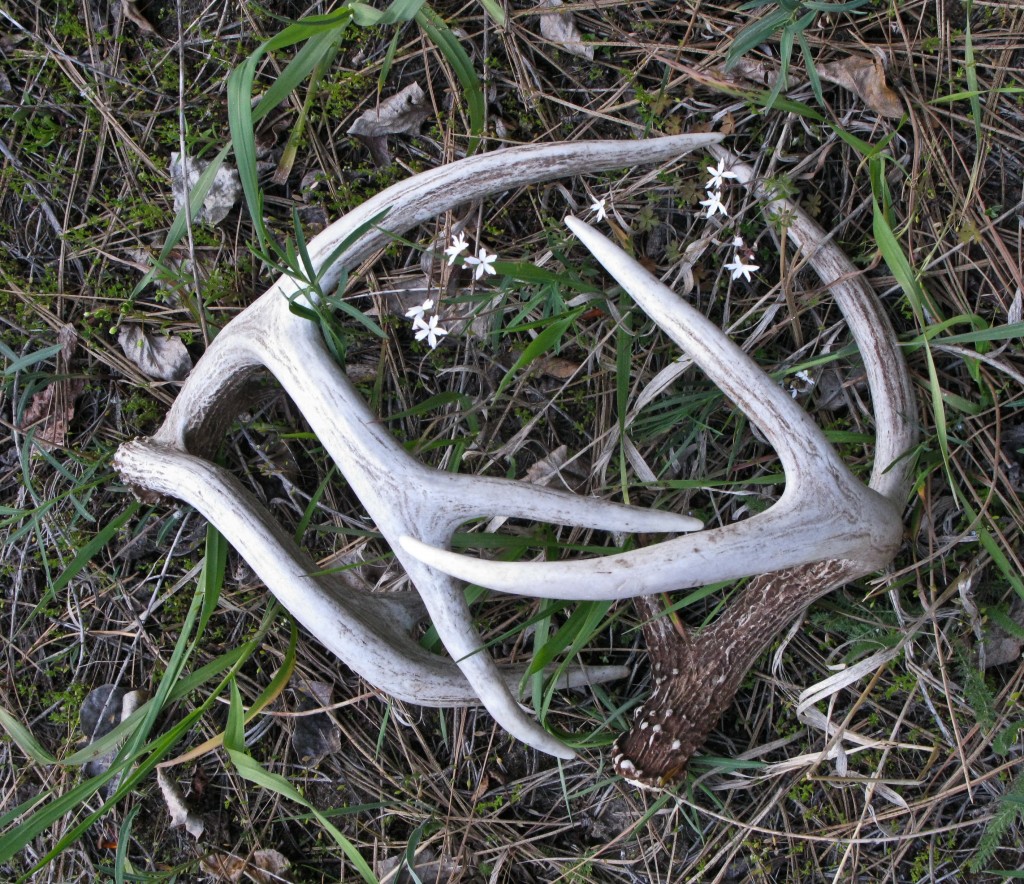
[828,527]
[370,632]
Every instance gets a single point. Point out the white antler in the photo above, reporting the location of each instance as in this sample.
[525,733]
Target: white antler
[827,528]
[403,497]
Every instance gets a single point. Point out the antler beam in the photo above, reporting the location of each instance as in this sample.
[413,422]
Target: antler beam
[828,527]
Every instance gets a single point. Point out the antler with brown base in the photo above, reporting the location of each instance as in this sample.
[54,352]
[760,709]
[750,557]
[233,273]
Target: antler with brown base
[828,527]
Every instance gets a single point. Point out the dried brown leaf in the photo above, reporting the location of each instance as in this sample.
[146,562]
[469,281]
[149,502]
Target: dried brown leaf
[131,12]
[261,866]
[561,29]
[401,114]
[315,736]
[102,710]
[545,469]
[1001,647]
[865,77]
[223,193]
[557,367]
[52,409]
[157,357]
[50,413]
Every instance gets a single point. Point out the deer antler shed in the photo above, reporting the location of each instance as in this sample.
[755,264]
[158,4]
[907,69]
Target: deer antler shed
[826,529]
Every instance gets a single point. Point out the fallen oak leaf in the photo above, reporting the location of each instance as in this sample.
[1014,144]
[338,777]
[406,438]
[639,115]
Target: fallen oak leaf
[315,736]
[220,198]
[401,114]
[102,709]
[51,410]
[50,413]
[262,866]
[557,367]
[131,12]
[561,29]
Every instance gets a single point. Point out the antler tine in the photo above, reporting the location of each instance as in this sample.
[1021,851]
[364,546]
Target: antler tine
[892,394]
[824,511]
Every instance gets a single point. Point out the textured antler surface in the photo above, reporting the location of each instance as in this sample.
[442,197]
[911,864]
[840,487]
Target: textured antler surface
[697,676]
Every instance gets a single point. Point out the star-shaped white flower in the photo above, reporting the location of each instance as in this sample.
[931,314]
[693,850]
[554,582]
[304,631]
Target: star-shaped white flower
[801,384]
[598,207]
[458,246]
[429,330]
[737,268]
[416,313]
[714,204]
[718,176]
[482,263]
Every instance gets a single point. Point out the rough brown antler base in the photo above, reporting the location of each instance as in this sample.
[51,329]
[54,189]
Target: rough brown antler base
[696,677]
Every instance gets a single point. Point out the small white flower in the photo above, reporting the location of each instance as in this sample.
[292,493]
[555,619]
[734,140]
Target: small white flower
[416,313]
[801,383]
[430,330]
[738,242]
[482,263]
[458,246]
[718,176]
[737,268]
[598,206]
[714,204]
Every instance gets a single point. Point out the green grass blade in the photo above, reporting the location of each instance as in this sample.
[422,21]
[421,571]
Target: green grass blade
[495,11]
[251,770]
[30,359]
[755,33]
[87,553]
[547,340]
[435,28]
[211,579]
[24,739]
[577,630]
[971,70]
